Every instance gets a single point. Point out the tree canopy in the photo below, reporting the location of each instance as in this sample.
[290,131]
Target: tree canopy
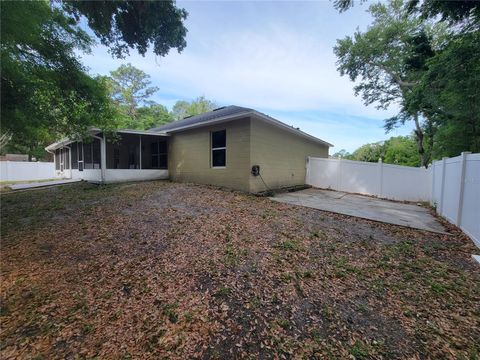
[125,25]
[200,105]
[46,92]
[425,65]
[399,150]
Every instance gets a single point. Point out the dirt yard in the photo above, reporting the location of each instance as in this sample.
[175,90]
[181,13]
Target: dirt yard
[164,270]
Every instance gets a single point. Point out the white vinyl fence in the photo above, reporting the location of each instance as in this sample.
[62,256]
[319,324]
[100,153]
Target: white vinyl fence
[456,192]
[383,180]
[451,185]
[26,170]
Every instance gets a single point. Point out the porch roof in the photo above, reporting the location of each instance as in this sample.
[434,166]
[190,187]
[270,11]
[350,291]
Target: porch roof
[95,131]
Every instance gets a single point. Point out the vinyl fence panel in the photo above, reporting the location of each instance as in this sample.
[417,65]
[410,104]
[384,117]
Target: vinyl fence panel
[387,181]
[456,192]
[26,170]
[451,185]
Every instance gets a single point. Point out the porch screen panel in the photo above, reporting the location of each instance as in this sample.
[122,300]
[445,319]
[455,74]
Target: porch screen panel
[66,162]
[124,153]
[74,151]
[87,156]
[57,159]
[154,152]
[96,154]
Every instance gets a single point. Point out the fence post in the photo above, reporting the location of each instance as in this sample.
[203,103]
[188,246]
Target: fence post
[463,160]
[442,189]
[307,171]
[339,176]
[380,177]
[432,185]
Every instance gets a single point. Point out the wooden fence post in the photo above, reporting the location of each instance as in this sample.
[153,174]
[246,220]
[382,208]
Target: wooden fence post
[463,160]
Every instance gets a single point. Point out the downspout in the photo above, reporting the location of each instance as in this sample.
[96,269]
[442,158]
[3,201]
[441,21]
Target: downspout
[103,155]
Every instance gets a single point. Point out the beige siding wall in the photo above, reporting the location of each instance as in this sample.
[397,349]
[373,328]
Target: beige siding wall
[189,156]
[281,156]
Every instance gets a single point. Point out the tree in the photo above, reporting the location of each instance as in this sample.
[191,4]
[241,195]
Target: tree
[124,25]
[200,105]
[130,87]
[369,152]
[341,154]
[45,91]
[441,61]
[388,60]
[400,150]
[152,116]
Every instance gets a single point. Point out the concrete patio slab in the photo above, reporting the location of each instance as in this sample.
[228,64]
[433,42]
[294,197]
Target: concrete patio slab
[33,185]
[365,207]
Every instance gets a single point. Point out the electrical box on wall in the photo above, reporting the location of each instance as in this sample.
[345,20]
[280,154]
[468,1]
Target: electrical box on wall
[255,170]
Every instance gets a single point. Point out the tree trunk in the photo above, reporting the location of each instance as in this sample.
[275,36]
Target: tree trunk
[424,157]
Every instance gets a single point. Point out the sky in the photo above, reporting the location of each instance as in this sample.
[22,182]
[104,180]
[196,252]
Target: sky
[275,57]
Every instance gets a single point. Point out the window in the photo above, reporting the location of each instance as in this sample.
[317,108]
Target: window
[219,148]
[158,152]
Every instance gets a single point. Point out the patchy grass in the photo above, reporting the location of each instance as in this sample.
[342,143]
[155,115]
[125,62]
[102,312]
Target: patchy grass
[163,270]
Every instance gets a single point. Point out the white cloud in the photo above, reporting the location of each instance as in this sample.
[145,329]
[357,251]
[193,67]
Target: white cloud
[275,57]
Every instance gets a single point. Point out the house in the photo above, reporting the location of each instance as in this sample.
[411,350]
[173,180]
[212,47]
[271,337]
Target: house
[232,147]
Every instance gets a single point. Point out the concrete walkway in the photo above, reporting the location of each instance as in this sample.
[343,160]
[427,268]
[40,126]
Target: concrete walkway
[33,185]
[366,207]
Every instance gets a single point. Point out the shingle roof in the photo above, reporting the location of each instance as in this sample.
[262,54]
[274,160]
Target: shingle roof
[198,119]
[225,113]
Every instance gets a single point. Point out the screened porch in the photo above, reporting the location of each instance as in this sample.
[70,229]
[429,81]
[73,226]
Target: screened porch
[129,155]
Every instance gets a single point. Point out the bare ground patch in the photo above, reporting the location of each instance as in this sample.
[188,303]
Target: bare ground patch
[159,269]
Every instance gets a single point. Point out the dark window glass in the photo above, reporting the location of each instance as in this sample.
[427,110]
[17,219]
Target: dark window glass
[219,139]
[74,150]
[219,144]
[218,158]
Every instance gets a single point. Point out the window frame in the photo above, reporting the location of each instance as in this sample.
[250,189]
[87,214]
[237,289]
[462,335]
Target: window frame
[212,149]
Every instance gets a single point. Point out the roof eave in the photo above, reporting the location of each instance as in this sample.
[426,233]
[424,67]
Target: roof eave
[94,131]
[211,122]
[290,128]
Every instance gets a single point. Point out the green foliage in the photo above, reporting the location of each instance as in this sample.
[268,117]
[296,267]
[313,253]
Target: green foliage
[451,89]
[124,25]
[410,57]
[45,91]
[200,105]
[130,91]
[130,87]
[400,150]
